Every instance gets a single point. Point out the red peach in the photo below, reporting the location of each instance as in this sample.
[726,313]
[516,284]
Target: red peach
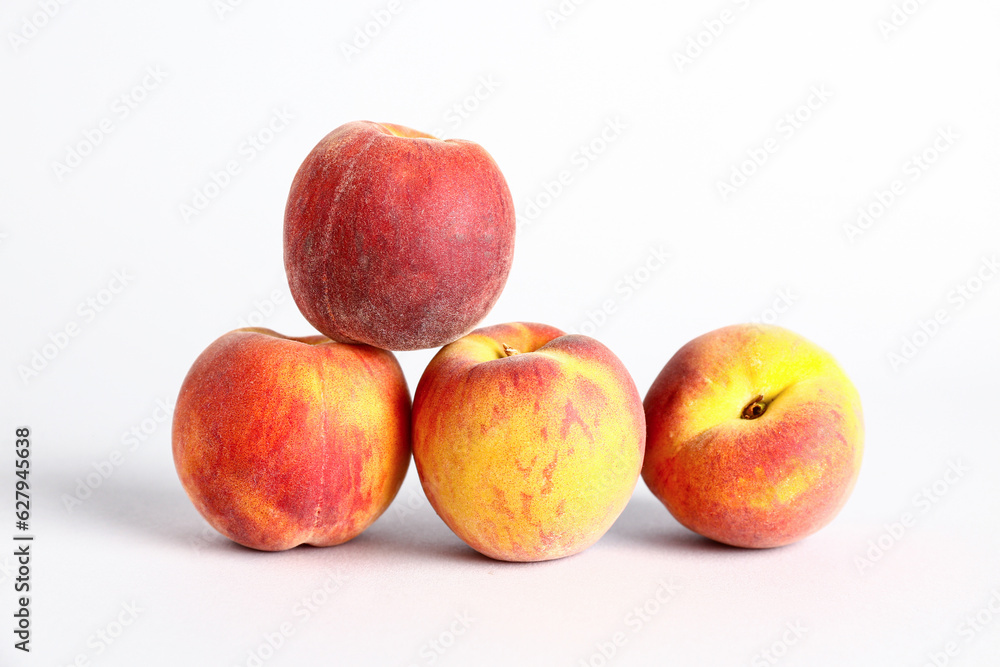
[396,239]
[285,441]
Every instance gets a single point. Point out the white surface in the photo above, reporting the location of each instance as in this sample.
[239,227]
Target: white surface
[205,601]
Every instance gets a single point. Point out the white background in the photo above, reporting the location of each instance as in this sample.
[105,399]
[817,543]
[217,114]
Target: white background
[554,88]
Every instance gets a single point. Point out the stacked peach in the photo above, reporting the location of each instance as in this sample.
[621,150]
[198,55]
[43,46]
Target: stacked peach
[528,442]
[286,441]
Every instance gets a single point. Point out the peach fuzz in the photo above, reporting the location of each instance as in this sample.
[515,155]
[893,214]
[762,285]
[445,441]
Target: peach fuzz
[755,436]
[528,442]
[284,441]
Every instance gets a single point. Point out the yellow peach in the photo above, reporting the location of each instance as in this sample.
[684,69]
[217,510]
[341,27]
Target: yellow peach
[528,442]
[755,436]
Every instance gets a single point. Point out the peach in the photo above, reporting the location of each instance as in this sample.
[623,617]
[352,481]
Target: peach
[528,442]
[396,239]
[284,441]
[755,436]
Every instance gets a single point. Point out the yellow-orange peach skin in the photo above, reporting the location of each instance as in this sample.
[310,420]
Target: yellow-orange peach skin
[284,441]
[755,436]
[528,442]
